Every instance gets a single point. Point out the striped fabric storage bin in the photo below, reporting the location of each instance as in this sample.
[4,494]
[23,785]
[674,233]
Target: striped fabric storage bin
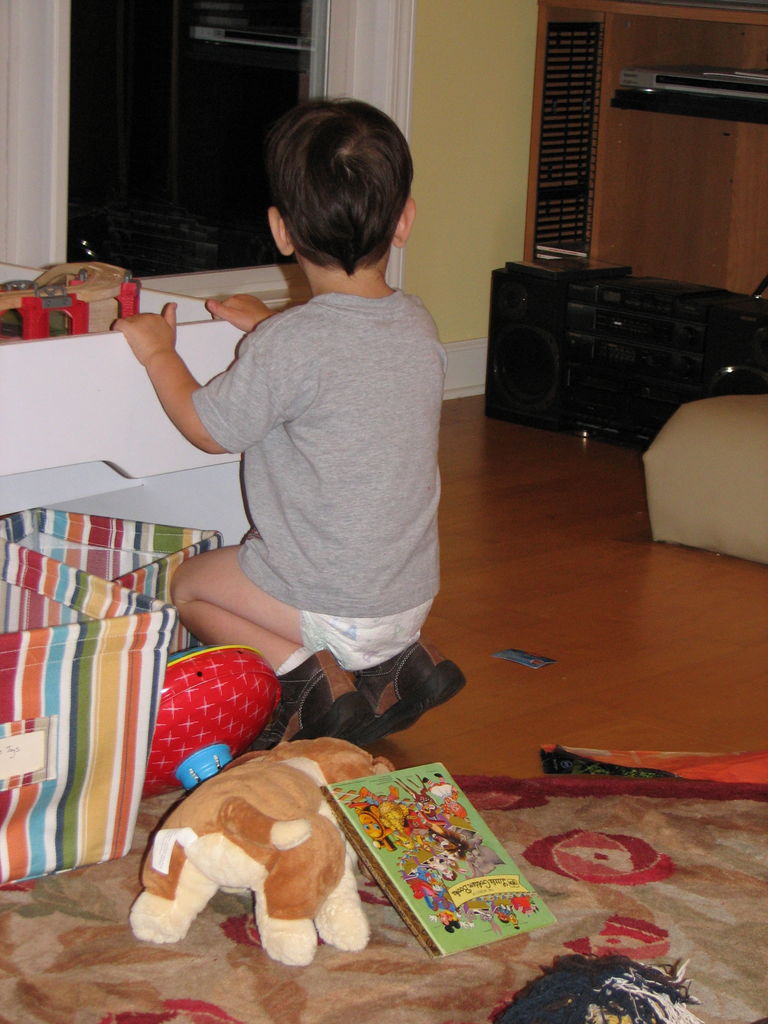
[140,556]
[82,663]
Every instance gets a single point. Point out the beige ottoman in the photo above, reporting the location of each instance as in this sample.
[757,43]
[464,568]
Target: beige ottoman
[706,476]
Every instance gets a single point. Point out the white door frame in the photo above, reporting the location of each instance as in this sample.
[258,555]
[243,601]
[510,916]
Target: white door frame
[370,54]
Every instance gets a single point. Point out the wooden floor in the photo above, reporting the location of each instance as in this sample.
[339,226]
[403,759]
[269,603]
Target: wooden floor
[546,548]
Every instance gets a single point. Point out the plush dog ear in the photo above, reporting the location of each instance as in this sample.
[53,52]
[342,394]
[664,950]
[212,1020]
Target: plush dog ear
[382,765]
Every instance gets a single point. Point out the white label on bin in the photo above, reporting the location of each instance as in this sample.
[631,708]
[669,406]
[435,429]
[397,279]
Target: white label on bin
[23,754]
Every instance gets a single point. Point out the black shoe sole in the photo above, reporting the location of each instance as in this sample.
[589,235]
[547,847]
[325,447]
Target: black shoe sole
[347,715]
[444,682]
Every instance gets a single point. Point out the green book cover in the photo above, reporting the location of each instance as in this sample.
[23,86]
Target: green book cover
[446,873]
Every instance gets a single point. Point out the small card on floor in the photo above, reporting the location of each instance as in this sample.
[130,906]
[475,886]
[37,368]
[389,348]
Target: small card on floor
[524,658]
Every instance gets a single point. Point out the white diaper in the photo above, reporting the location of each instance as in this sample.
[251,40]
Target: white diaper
[360,643]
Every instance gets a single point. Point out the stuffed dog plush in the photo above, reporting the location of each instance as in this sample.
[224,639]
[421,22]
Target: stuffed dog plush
[262,824]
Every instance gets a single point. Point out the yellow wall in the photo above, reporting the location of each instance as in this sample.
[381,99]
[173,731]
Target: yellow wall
[470,128]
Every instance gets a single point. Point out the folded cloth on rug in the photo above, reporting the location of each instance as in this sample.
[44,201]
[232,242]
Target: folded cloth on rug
[748,766]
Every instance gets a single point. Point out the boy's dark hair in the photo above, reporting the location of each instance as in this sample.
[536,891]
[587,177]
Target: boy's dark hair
[340,174]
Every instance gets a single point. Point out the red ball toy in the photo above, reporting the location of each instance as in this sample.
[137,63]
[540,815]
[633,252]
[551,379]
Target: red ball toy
[214,700]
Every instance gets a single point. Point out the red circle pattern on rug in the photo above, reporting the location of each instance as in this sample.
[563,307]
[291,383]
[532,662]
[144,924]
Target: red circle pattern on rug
[628,936]
[600,858]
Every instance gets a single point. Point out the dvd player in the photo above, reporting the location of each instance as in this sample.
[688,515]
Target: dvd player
[698,78]
[249,37]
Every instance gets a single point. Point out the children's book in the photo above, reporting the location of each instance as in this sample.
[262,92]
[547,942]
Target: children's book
[445,872]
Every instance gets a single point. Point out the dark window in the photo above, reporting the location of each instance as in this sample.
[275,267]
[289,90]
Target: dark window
[170,102]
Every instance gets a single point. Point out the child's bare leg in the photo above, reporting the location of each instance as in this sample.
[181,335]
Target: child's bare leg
[219,605]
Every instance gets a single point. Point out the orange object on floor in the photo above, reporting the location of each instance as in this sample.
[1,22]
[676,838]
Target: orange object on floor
[747,766]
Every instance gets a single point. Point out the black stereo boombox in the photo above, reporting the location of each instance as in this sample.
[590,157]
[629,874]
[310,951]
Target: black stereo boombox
[586,347]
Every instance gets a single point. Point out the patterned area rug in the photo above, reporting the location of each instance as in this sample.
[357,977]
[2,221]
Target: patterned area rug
[662,871]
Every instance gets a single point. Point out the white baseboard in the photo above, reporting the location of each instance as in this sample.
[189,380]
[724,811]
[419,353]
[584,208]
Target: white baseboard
[465,374]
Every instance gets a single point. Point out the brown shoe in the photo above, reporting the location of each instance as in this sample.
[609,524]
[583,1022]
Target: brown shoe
[401,689]
[318,698]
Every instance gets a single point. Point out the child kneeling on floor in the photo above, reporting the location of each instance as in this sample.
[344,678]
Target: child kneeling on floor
[335,406]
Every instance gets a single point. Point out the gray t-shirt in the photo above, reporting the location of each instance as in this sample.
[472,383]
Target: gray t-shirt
[336,407]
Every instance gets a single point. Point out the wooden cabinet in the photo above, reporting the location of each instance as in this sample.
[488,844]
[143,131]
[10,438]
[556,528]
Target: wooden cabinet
[675,195]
